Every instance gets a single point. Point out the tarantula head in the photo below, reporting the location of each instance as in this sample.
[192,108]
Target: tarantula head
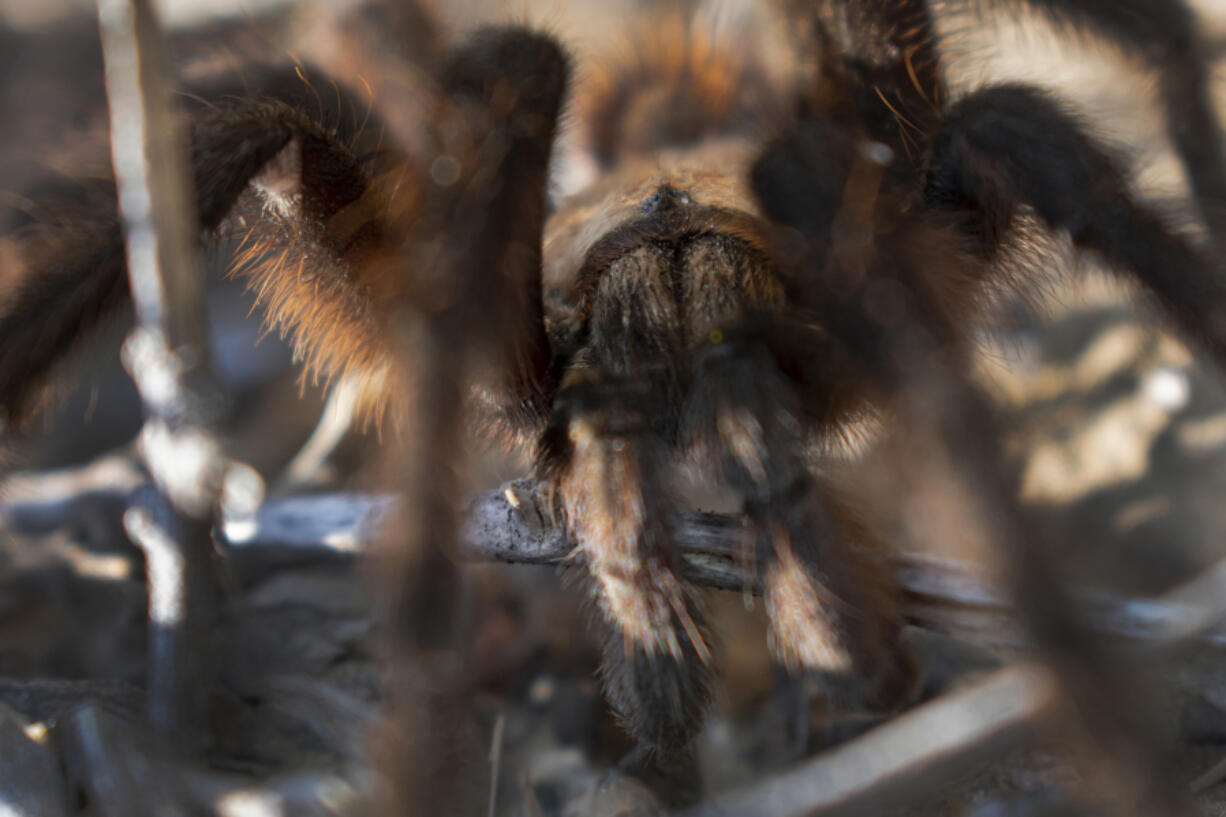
[667,138]
[672,200]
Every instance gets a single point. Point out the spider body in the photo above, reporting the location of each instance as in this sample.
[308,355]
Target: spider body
[676,343]
[753,267]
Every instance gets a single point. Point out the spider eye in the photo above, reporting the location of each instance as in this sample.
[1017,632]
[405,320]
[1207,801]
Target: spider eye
[666,198]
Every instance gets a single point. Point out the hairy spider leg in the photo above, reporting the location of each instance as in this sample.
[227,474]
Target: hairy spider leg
[605,449]
[884,60]
[71,274]
[1165,34]
[834,614]
[915,353]
[877,64]
[1011,144]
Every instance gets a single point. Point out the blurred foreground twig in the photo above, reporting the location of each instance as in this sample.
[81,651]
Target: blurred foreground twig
[905,758]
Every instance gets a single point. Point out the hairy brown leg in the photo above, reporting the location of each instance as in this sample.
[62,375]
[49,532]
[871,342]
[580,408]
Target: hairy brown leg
[834,614]
[914,353]
[887,70]
[878,70]
[655,647]
[1011,145]
[67,273]
[606,449]
[1166,35]
[298,168]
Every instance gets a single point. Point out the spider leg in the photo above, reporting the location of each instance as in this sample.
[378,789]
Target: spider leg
[655,654]
[1165,34]
[606,448]
[309,213]
[888,70]
[833,613]
[880,71]
[67,270]
[1011,144]
[747,420]
[464,254]
[909,345]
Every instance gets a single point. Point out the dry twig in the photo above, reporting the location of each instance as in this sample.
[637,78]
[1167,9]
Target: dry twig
[943,595]
[167,356]
[907,757]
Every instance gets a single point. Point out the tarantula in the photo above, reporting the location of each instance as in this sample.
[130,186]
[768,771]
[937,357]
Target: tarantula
[756,262]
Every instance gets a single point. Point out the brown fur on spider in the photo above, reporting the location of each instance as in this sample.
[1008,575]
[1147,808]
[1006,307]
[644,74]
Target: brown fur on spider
[756,261]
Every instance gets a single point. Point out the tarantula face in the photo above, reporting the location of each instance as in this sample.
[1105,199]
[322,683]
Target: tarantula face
[673,249]
[713,177]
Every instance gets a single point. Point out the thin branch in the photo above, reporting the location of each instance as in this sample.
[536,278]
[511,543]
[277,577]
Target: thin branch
[908,757]
[943,595]
[167,356]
